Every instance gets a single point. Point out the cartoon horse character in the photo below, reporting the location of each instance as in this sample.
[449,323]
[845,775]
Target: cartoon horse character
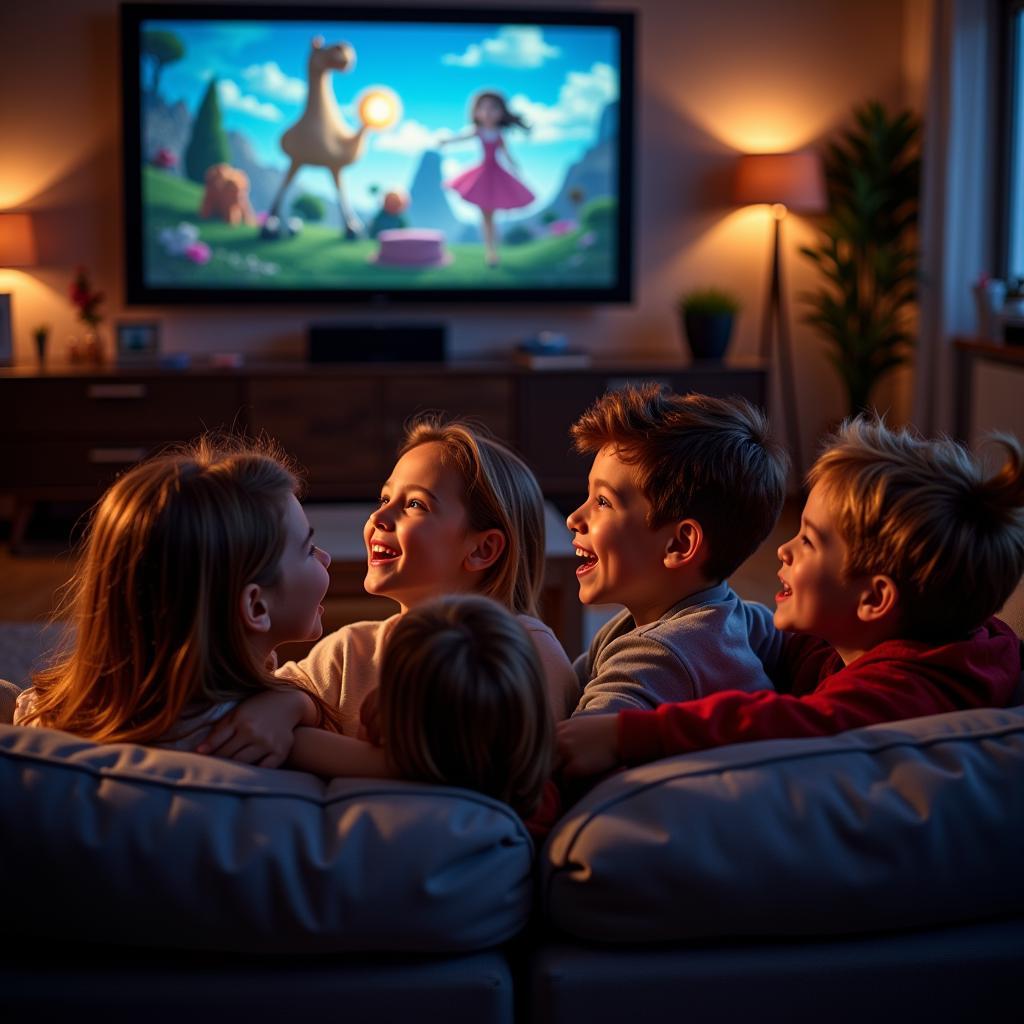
[320,137]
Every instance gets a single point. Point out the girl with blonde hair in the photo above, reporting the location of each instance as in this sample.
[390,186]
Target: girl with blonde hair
[459,514]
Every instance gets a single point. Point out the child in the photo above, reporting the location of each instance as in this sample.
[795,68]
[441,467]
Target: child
[459,514]
[489,185]
[682,489]
[195,566]
[905,550]
[461,702]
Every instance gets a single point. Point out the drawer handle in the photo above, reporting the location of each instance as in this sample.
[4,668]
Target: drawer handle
[102,456]
[117,391]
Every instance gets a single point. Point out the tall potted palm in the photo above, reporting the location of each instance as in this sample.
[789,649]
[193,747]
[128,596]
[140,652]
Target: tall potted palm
[868,253]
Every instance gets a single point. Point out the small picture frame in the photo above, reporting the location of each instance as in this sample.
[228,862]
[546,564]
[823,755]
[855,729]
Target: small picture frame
[138,343]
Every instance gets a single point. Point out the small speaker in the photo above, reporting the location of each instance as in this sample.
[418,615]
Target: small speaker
[376,343]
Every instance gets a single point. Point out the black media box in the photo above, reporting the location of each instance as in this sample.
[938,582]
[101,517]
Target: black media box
[376,343]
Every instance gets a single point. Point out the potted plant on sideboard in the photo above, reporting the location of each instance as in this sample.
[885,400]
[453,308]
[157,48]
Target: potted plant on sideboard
[708,315]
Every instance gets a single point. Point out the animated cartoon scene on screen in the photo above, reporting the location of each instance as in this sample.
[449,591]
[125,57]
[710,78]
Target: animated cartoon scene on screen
[378,154]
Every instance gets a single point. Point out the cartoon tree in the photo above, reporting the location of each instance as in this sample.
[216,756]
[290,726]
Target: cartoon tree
[209,144]
[309,207]
[163,48]
[576,196]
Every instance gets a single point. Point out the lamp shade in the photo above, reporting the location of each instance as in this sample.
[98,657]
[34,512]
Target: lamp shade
[792,179]
[17,240]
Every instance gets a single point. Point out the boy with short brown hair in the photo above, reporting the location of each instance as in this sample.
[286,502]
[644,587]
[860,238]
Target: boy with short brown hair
[905,551]
[682,489]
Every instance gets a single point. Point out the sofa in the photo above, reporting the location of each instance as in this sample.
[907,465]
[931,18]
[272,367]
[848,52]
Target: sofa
[872,875]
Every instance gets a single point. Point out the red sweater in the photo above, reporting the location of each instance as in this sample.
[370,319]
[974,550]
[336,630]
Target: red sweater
[897,679]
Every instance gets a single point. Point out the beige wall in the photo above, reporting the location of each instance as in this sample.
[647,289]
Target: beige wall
[713,79]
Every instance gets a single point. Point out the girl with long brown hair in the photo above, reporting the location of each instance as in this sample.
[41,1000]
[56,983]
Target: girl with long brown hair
[195,566]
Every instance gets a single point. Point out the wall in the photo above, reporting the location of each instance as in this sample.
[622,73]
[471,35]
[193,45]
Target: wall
[714,79]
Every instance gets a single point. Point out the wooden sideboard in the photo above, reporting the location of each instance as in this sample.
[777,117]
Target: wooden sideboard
[66,433]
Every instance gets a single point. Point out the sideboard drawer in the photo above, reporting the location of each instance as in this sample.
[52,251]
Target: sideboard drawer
[164,408]
[81,466]
[333,426]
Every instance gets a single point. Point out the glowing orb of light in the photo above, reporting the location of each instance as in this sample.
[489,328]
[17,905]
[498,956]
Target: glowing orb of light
[379,107]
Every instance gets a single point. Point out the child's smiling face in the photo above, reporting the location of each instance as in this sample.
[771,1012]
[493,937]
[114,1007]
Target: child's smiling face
[816,597]
[417,541]
[620,552]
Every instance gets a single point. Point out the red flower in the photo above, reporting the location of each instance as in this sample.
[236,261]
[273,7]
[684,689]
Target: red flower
[87,301]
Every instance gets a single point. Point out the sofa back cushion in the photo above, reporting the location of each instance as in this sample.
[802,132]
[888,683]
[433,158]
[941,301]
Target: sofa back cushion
[899,826]
[132,845]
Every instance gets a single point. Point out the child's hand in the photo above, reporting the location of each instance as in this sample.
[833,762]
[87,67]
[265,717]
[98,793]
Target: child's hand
[369,719]
[588,745]
[261,729]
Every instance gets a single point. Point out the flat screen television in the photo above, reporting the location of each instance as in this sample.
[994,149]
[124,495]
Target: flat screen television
[330,153]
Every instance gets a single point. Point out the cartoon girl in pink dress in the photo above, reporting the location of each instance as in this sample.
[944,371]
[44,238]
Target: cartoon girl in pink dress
[489,185]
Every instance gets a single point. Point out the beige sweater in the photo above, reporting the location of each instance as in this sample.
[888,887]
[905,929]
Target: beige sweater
[345,666]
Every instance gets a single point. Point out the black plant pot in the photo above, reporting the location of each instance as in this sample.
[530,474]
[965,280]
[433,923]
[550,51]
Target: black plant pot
[708,334]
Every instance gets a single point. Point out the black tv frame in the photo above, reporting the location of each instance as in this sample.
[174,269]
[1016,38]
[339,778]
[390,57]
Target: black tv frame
[138,292]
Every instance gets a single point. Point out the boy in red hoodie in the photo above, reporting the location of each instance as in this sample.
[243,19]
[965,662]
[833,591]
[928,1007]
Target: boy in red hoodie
[905,550]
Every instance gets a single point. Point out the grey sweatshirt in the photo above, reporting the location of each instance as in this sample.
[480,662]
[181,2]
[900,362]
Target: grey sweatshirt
[709,641]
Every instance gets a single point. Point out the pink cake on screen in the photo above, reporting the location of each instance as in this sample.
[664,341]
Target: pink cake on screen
[411,247]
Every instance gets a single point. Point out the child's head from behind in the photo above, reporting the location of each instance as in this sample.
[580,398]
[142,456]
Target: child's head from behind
[676,479]
[194,565]
[460,512]
[903,536]
[462,701]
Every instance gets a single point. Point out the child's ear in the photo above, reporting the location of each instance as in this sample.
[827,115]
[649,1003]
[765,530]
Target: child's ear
[487,548]
[685,544]
[254,608]
[878,600]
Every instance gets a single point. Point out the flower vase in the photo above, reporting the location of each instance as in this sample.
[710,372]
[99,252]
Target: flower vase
[87,346]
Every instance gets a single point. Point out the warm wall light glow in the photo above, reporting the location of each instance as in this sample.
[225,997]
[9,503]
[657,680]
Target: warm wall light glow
[17,240]
[751,119]
[379,107]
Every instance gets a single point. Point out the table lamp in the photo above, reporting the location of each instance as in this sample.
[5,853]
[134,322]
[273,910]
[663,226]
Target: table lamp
[17,249]
[786,181]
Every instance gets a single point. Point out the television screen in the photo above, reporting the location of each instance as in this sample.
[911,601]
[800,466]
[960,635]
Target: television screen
[333,152]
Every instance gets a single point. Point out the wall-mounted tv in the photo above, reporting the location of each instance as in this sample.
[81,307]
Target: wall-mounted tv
[333,153]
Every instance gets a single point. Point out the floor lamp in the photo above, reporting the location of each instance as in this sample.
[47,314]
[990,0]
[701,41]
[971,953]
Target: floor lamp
[787,181]
[17,249]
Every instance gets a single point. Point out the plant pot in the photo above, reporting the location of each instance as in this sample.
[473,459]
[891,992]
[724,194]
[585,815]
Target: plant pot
[708,334]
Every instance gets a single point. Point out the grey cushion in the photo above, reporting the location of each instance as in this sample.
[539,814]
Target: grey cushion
[126,844]
[899,826]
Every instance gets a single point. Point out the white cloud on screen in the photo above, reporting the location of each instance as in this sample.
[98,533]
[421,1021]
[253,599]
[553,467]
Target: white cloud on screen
[408,137]
[582,97]
[515,46]
[270,80]
[234,99]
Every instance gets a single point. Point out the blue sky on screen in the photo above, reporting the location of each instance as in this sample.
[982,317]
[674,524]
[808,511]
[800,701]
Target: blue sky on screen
[558,78]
